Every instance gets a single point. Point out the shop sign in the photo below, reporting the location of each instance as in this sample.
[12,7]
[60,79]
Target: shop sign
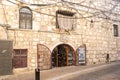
[81,55]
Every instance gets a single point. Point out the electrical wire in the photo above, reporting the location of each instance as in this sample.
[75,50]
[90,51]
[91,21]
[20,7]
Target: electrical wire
[102,11]
[13,2]
[48,4]
[46,13]
[71,3]
[65,2]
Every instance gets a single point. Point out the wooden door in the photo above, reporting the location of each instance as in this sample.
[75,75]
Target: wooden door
[43,57]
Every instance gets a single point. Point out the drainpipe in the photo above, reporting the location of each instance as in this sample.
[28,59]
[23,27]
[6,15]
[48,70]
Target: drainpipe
[5,26]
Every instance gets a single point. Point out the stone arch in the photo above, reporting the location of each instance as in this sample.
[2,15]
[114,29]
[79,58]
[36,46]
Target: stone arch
[63,54]
[58,43]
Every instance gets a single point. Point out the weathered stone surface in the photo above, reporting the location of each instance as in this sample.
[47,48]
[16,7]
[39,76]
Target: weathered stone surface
[99,39]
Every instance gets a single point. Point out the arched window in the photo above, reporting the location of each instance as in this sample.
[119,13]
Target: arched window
[25,18]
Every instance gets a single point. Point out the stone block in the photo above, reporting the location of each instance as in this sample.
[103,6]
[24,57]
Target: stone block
[40,60]
[33,65]
[45,67]
[41,64]
[33,61]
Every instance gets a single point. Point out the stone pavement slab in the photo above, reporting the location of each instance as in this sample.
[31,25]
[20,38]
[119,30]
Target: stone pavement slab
[56,73]
[107,73]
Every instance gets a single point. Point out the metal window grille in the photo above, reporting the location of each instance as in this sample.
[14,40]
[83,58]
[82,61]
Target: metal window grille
[115,27]
[64,20]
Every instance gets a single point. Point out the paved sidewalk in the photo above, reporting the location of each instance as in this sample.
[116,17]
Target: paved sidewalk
[60,73]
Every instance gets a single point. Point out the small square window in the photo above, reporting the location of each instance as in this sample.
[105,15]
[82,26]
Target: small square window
[20,58]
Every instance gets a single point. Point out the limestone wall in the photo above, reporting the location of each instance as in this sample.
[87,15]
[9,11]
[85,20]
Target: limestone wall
[28,39]
[3,33]
[98,37]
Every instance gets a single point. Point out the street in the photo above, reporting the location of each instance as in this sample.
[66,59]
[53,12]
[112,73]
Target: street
[108,73]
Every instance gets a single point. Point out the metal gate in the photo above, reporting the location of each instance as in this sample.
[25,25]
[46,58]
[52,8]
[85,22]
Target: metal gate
[43,57]
[5,57]
[63,55]
[20,58]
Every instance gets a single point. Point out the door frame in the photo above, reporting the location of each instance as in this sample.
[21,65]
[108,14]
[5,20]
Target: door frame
[73,53]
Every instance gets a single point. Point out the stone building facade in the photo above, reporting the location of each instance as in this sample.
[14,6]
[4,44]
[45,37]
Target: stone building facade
[38,38]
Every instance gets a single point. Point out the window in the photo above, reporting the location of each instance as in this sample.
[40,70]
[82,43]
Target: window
[115,27]
[20,58]
[25,18]
[64,20]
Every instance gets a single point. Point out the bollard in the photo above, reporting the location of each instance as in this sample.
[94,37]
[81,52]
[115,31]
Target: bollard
[37,74]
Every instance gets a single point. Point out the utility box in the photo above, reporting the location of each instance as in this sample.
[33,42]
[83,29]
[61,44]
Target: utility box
[6,47]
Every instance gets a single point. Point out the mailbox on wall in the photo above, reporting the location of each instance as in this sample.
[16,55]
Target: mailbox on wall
[6,47]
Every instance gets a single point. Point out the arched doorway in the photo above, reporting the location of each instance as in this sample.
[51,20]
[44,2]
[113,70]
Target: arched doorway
[63,55]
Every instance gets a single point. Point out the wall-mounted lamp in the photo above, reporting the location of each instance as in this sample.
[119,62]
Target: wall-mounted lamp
[91,23]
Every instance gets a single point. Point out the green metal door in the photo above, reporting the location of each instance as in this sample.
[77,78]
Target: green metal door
[5,57]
